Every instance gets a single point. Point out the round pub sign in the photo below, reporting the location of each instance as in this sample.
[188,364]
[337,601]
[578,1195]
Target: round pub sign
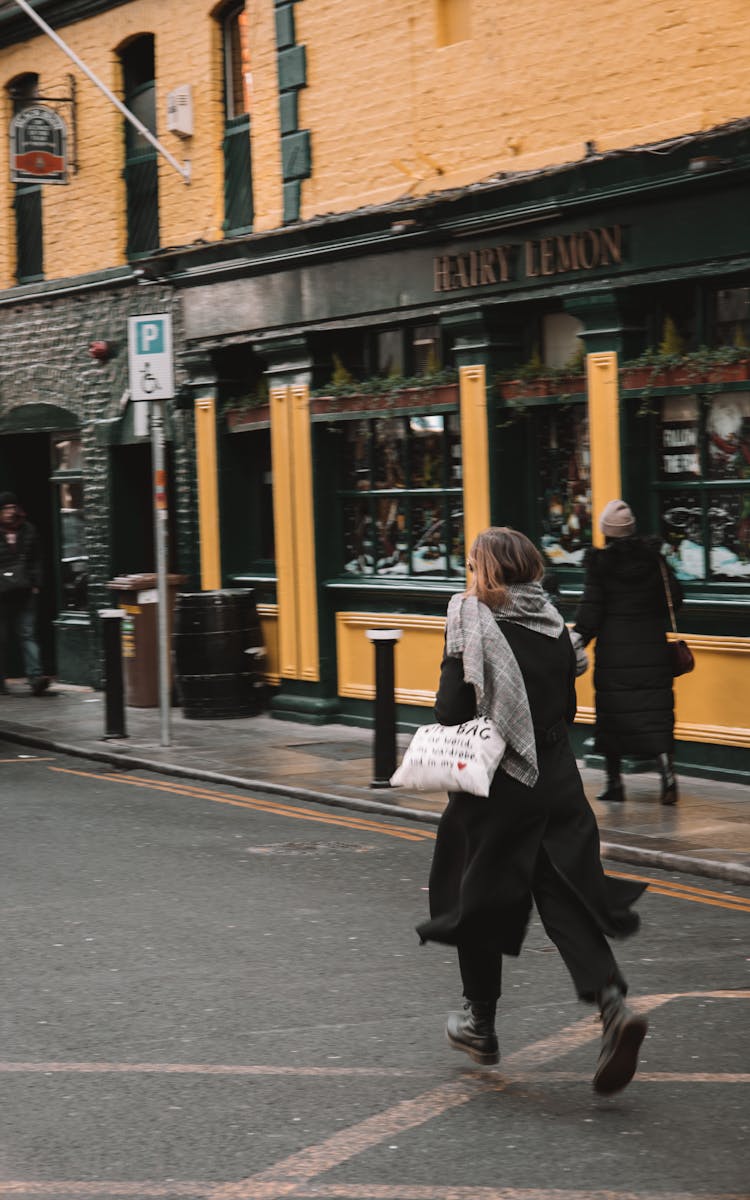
[38,139]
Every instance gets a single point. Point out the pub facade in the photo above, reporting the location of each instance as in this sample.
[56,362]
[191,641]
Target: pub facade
[371,390]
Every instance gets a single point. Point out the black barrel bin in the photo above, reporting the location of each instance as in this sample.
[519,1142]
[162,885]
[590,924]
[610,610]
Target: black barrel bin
[219,655]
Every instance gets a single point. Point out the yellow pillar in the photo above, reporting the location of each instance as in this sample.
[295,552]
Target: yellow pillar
[283,522]
[294,532]
[475,451]
[208,492]
[305,573]
[604,434]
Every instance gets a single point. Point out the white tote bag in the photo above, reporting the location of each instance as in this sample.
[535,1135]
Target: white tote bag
[452,758]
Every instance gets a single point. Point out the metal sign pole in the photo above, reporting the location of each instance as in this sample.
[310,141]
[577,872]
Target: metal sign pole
[160,540]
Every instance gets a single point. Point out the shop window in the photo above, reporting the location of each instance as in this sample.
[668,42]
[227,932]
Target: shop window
[703,485]
[67,483]
[412,350]
[561,340]
[27,198]
[402,498]
[732,317]
[238,188]
[564,475]
[141,162]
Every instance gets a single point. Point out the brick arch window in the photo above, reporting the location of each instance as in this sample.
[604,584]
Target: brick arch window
[238,180]
[141,163]
[27,198]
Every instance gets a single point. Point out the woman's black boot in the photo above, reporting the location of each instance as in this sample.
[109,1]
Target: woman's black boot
[614,791]
[473,1031]
[622,1034]
[668,781]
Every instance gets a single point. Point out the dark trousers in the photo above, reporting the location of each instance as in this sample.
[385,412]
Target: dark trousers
[568,923]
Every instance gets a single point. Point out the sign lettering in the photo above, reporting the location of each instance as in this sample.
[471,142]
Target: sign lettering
[537,258]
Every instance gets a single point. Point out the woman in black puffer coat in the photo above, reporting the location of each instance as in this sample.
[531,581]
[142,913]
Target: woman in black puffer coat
[624,606]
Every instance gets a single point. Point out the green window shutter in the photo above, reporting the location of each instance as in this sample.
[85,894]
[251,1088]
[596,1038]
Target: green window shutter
[238,180]
[142,186]
[29,243]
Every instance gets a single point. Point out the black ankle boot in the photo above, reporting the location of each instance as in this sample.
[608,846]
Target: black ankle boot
[668,781]
[622,1034]
[614,791]
[473,1031]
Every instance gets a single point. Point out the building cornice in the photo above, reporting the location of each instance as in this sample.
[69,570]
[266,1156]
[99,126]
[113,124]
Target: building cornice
[16,27]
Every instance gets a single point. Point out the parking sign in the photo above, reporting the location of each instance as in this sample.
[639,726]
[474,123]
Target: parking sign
[150,357]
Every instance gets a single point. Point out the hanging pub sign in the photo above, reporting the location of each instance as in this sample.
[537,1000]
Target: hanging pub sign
[38,146]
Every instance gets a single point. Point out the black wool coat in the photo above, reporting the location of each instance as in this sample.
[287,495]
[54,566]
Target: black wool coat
[481,881]
[624,607]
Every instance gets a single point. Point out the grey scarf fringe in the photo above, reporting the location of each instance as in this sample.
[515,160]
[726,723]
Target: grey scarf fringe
[473,634]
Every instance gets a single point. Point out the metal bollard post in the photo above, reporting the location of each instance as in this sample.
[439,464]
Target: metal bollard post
[385,705]
[113,682]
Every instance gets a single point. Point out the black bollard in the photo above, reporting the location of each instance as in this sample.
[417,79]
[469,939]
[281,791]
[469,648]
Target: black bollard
[113,683]
[385,705]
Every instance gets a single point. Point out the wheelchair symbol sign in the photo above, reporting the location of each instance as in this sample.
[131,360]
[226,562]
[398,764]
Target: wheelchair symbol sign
[150,357]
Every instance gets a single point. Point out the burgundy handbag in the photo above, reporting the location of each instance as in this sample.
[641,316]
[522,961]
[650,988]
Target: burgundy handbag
[680,655]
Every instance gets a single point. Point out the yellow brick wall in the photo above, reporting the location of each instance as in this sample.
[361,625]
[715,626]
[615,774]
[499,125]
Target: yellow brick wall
[84,222]
[392,113]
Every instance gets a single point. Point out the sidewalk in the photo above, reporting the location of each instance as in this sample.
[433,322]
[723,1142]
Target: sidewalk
[706,833]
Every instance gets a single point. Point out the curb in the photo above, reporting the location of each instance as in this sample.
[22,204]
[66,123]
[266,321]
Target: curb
[660,860]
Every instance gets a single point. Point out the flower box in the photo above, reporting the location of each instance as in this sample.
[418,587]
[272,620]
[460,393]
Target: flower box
[544,385]
[242,420]
[686,375]
[444,395]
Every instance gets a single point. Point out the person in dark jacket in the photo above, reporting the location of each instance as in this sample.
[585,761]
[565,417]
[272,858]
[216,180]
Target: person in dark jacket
[508,655]
[20,579]
[624,606]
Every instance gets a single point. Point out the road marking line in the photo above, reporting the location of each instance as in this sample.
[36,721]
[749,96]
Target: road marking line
[410,834]
[686,891]
[157,1068]
[144,1190]
[405,833]
[26,759]
[151,1190]
[214,1069]
[292,1176]
[295,1172]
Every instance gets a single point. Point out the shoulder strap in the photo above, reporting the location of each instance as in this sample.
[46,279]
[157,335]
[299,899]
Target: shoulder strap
[667,592]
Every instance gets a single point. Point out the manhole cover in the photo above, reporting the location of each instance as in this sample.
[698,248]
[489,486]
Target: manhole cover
[341,751]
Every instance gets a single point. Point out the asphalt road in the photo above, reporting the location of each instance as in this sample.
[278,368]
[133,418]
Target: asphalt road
[212,995]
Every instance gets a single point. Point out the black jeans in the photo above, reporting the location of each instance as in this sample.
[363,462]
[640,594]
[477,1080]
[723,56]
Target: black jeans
[568,923]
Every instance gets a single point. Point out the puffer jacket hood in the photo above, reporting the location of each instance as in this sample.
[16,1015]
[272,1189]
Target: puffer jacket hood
[625,559]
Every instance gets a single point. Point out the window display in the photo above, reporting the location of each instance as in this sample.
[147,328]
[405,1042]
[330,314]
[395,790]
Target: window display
[706,529]
[411,521]
[565,483]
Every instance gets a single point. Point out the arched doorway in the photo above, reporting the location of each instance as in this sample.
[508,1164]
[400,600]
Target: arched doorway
[40,462]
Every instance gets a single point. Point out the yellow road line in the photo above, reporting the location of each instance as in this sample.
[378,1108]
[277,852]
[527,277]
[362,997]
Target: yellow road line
[676,891]
[27,758]
[409,835]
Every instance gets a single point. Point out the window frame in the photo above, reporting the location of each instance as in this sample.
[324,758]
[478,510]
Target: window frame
[703,486]
[448,496]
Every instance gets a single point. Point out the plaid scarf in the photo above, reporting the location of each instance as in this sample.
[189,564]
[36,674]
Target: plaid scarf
[473,634]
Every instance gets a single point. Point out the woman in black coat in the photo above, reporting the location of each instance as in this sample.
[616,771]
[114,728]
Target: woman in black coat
[509,656]
[624,606]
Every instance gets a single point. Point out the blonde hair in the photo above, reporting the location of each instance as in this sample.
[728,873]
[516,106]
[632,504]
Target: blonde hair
[498,557]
